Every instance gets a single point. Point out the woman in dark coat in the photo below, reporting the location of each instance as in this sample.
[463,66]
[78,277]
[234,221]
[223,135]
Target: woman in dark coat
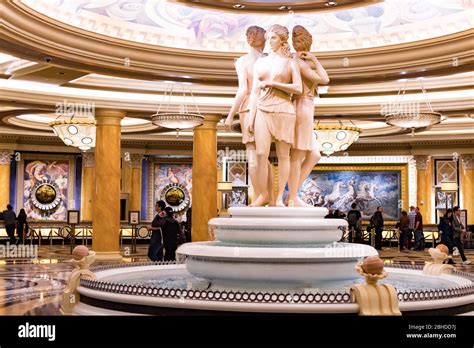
[22,226]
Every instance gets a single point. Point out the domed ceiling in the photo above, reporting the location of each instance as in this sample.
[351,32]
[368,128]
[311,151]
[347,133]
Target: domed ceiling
[174,24]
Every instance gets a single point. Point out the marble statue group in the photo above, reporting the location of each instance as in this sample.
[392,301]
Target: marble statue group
[275,102]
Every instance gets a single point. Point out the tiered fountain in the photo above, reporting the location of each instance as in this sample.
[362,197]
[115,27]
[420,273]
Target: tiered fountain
[266,260]
[276,248]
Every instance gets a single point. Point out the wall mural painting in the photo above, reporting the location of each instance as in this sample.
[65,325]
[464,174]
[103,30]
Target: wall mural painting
[173,184]
[368,189]
[45,189]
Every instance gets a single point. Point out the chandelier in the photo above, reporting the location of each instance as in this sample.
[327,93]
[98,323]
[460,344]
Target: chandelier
[408,114]
[334,138]
[180,117]
[79,132]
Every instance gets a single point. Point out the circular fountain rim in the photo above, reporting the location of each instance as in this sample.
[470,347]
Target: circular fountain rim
[421,300]
[326,252]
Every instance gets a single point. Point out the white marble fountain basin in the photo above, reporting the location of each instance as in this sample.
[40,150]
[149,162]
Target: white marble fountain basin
[296,267]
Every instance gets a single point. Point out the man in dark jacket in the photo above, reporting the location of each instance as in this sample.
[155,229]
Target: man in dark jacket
[170,229]
[155,249]
[354,218]
[10,223]
[377,222]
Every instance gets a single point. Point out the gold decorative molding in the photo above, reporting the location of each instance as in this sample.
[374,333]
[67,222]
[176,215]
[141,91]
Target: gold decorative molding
[422,162]
[467,161]
[31,35]
[5,157]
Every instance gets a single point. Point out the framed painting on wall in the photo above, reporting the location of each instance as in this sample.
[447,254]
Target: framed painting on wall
[339,186]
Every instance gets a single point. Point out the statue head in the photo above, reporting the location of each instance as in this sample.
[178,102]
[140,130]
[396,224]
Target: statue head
[302,39]
[278,38]
[255,36]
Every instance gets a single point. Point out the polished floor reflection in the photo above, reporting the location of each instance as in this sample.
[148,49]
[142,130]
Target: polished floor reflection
[34,287]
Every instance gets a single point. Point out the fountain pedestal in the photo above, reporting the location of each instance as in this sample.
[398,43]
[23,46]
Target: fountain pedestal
[275,247]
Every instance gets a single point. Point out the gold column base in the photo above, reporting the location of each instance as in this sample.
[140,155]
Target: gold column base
[108,256]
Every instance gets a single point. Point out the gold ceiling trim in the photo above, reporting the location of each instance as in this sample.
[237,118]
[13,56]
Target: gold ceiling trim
[31,35]
[276,7]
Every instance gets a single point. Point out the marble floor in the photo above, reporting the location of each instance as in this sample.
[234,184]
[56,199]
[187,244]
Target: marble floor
[34,287]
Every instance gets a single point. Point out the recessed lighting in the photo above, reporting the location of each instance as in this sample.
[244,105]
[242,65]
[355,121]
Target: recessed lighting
[284,8]
[238,6]
[331,3]
[403,72]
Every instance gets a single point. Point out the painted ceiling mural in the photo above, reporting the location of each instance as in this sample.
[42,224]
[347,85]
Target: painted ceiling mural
[165,23]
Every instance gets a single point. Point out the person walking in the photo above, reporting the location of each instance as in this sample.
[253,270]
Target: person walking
[155,249]
[458,230]
[446,229]
[22,226]
[10,223]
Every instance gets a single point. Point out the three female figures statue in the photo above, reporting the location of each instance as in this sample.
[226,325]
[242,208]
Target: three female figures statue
[280,107]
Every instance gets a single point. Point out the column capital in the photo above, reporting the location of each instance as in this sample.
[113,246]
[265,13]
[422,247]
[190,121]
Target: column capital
[5,157]
[467,162]
[88,159]
[422,162]
[109,117]
[210,122]
[136,160]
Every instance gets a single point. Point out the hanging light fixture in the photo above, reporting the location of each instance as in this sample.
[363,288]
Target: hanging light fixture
[335,137]
[408,115]
[180,117]
[75,131]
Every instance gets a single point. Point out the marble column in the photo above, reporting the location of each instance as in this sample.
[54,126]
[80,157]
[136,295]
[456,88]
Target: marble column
[467,186]
[423,186]
[87,186]
[204,177]
[136,182]
[106,218]
[5,159]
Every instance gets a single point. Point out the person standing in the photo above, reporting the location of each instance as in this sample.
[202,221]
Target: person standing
[22,226]
[170,229]
[411,225]
[419,237]
[458,230]
[377,222]
[354,218]
[403,228]
[10,223]
[155,249]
